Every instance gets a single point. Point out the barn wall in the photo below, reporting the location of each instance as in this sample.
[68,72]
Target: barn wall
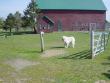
[75,20]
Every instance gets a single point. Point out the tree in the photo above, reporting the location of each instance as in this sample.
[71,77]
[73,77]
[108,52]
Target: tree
[32,14]
[1,23]
[18,20]
[25,22]
[9,22]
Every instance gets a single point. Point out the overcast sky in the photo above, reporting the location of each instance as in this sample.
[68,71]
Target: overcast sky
[11,6]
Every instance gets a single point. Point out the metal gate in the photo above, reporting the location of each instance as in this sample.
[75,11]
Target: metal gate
[99,41]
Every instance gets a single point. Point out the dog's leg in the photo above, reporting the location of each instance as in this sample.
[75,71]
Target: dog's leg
[73,44]
[67,45]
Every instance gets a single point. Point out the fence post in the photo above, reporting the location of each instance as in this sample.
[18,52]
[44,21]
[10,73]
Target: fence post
[92,42]
[104,40]
[42,41]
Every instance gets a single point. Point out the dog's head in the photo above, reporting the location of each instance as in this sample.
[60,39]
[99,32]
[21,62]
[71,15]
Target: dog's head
[64,37]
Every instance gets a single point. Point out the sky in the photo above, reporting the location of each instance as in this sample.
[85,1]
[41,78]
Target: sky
[11,6]
[107,4]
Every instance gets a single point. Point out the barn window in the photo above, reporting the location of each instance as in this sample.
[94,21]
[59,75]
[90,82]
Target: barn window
[48,26]
[44,27]
[40,26]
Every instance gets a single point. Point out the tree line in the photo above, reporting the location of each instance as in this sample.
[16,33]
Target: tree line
[17,21]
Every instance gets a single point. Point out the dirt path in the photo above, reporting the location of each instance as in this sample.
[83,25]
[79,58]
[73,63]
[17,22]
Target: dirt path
[19,64]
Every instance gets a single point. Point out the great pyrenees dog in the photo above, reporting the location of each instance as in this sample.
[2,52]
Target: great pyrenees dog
[68,40]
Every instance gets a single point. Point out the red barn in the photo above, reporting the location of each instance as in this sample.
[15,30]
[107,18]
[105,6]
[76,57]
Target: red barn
[71,15]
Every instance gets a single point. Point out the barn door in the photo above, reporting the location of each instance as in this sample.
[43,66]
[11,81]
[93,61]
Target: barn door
[93,26]
[59,25]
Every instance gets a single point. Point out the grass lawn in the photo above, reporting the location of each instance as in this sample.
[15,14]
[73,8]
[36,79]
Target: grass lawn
[22,62]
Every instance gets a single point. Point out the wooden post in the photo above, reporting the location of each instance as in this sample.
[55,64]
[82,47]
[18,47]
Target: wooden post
[42,41]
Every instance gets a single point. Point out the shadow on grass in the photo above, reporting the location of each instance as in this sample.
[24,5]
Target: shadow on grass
[17,33]
[57,47]
[105,63]
[31,52]
[107,74]
[108,57]
[86,54]
[23,32]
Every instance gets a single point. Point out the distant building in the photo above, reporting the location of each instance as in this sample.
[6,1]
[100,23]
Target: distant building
[71,15]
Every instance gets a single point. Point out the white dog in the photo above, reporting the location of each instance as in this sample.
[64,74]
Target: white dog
[68,40]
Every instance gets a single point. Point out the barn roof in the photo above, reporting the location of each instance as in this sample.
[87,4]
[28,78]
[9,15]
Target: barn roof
[71,4]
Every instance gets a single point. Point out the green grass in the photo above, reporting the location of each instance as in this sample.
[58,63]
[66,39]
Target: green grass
[73,67]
